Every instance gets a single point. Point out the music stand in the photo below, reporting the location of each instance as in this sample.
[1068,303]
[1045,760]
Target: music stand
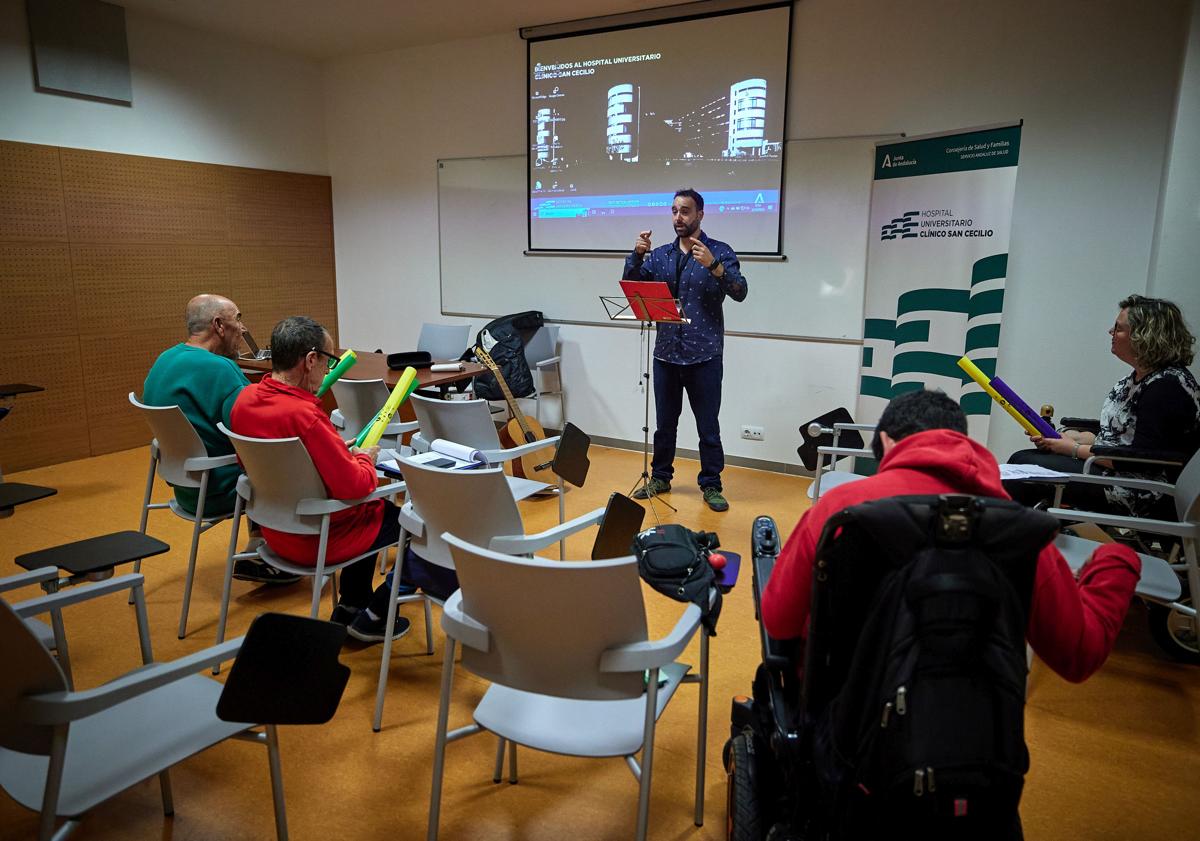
[648,302]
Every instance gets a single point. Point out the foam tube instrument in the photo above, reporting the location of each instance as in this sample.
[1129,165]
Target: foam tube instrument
[344,364]
[972,371]
[404,387]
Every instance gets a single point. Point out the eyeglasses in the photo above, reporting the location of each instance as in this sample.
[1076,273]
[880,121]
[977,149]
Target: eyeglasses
[330,359]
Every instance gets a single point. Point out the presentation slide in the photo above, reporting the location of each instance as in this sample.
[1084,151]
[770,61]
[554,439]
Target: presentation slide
[620,120]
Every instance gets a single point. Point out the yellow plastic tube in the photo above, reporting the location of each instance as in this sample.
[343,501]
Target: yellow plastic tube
[972,371]
[406,386]
[345,363]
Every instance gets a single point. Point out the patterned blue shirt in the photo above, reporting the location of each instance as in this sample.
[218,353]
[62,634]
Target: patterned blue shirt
[699,293]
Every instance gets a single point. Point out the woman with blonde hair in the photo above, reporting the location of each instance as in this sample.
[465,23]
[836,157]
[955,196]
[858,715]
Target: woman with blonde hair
[1156,406]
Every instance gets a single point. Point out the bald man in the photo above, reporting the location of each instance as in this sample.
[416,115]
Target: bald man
[201,377]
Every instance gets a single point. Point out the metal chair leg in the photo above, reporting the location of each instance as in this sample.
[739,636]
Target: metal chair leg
[137,565]
[512,763]
[643,813]
[439,745]
[319,572]
[702,728]
[197,528]
[164,784]
[385,660]
[60,645]
[428,625]
[54,772]
[281,830]
[498,770]
[227,583]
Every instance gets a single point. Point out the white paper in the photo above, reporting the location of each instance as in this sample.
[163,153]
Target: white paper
[458,452]
[440,367]
[1010,472]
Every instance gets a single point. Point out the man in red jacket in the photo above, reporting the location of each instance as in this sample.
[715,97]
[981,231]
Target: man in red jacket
[923,449]
[284,405]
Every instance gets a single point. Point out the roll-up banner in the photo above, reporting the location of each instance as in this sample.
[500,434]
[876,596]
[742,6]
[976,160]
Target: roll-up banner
[941,210]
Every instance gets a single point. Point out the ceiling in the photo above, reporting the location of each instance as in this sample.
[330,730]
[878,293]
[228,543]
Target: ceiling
[321,29]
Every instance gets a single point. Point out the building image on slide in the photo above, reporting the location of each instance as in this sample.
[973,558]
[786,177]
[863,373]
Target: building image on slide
[747,118]
[624,120]
[548,150]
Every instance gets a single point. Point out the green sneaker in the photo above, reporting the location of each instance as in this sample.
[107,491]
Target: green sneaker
[654,487]
[715,500]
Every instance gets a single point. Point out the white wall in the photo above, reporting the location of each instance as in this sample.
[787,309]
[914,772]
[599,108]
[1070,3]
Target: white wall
[196,97]
[1176,272]
[1096,94]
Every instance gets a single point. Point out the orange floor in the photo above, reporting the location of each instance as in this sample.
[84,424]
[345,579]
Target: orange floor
[1115,758]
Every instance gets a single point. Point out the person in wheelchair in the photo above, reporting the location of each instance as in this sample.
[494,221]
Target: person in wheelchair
[816,743]
[1154,410]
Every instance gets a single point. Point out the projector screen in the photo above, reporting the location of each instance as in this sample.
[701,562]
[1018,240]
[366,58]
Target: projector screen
[619,120]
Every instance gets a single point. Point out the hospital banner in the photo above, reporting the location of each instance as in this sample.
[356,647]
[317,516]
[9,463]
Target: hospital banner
[941,209]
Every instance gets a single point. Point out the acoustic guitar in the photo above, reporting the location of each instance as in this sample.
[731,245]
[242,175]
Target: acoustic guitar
[520,430]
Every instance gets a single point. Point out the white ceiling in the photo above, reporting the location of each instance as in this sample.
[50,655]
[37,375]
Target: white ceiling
[321,29]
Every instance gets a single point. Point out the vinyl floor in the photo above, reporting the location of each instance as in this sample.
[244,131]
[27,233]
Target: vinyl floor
[1114,758]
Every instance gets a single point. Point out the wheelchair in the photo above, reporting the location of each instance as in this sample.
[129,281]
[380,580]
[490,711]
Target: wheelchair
[779,785]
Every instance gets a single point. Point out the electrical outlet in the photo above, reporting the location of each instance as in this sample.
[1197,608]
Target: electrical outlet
[752,433]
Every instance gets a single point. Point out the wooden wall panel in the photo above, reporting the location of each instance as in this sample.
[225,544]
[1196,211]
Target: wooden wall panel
[279,207]
[272,282]
[31,203]
[99,254]
[38,293]
[127,198]
[140,287]
[50,426]
[112,366]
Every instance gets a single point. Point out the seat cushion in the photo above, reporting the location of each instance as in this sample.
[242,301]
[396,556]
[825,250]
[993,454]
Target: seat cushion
[573,727]
[110,751]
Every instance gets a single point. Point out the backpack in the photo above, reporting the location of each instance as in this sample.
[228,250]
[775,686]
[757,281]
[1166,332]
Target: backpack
[504,339]
[925,729]
[674,561]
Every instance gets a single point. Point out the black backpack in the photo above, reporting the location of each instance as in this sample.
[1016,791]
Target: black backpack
[674,561]
[916,681]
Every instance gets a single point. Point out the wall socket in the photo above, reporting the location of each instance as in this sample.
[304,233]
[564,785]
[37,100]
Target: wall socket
[752,433]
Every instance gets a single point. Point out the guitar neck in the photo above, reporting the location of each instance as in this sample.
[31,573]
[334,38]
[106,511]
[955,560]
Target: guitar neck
[486,359]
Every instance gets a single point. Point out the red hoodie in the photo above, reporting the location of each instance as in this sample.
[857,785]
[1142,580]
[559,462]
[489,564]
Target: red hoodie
[1072,626]
[271,409]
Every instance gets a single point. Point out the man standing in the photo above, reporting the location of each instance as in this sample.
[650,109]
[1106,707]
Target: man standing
[201,377]
[284,404]
[923,449]
[700,272]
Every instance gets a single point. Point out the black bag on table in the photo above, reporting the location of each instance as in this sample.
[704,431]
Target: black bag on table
[674,561]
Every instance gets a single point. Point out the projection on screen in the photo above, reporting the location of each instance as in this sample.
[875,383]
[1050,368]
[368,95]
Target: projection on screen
[621,120]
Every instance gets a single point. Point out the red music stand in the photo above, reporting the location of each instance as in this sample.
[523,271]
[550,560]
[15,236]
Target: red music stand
[648,302]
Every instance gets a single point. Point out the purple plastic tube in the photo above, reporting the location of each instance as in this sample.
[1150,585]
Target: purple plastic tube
[1021,406]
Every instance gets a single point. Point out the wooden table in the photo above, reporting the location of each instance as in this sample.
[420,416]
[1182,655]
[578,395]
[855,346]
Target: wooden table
[373,366]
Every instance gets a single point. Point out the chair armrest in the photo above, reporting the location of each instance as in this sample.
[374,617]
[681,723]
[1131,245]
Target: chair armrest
[652,654]
[463,628]
[401,427]
[418,444]
[337,419]
[861,427]
[498,456]
[841,452]
[329,506]
[1117,482]
[61,707]
[75,595]
[1085,424]
[1173,457]
[546,363]
[209,462]
[521,544]
[411,521]
[24,579]
[1191,530]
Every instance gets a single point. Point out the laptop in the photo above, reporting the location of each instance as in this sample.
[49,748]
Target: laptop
[255,351]
[622,521]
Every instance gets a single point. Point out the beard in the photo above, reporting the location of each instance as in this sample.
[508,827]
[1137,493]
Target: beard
[686,231]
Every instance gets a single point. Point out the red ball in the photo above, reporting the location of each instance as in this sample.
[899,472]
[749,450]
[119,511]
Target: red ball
[717,560]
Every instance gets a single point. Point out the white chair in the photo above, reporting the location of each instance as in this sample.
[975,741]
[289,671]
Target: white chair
[469,422]
[826,477]
[1159,582]
[358,403]
[53,636]
[474,504]
[542,354]
[444,341]
[179,456]
[64,752]
[283,491]
[576,675]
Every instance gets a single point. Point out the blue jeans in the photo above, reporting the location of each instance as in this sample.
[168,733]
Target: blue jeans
[702,382]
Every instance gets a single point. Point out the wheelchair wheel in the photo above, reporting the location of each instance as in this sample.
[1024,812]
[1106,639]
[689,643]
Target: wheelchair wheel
[1174,633]
[741,795]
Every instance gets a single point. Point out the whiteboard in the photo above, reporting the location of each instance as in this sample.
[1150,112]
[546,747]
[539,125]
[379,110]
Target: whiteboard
[816,293]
